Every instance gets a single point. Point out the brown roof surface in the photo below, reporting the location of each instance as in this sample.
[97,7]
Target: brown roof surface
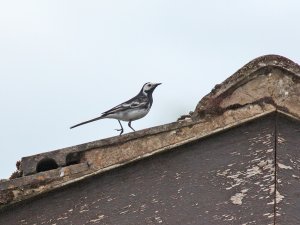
[266,84]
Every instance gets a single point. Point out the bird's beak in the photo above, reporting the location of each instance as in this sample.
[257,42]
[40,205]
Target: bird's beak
[157,84]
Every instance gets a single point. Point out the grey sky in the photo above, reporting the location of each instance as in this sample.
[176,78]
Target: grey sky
[62,62]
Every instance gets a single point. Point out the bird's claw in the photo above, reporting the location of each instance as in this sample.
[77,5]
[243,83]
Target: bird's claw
[120,130]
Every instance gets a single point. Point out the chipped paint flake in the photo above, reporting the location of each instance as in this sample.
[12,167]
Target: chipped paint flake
[62,218]
[255,170]
[110,199]
[227,217]
[271,203]
[280,140]
[97,220]
[154,200]
[178,176]
[124,212]
[281,166]
[279,197]
[158,219]
[230,165]
[238,197]
[224,173]
[272,189]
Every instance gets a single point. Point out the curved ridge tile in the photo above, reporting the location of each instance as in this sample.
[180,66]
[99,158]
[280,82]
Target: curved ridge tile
[269,79]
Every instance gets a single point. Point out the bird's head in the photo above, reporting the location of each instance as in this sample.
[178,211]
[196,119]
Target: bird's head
[149,87]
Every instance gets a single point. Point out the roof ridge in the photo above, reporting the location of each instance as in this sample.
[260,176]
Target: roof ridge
[263,63]
[265,85]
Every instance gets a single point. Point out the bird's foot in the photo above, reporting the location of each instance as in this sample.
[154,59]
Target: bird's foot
[120,130]
[129,124]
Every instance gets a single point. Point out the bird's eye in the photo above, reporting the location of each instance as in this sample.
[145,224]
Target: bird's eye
[149,85]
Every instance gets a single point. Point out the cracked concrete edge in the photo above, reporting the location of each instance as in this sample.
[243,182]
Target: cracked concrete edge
[28,164]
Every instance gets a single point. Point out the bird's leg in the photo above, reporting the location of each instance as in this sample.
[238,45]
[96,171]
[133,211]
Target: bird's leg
[120,129]
[129,124]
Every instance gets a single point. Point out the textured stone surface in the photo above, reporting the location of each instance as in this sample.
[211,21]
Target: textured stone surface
[267,84]
[273,79]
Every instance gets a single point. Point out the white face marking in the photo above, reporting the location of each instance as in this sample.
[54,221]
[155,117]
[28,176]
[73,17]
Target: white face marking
[147,87]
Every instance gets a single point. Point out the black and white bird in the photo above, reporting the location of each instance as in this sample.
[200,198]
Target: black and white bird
[133,109]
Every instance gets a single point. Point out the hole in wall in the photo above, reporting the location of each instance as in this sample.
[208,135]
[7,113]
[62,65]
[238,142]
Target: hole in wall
[73,158]
[46,164]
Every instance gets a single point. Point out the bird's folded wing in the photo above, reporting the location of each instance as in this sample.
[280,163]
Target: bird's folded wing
[125,106]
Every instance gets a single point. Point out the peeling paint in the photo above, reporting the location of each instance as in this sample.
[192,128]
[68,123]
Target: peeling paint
[271,203]
[230,165]
[281,166]
[100,217]
[279,197]
[280,140]
[255,170]
[158,219]
[236,179]
[62,218]
[238,197]
[224,173]
[272,189]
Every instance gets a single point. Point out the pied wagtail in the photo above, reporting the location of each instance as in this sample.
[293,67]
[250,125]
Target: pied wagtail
[133,109]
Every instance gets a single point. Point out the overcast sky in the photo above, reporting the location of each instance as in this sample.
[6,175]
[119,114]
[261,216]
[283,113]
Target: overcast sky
[66,61]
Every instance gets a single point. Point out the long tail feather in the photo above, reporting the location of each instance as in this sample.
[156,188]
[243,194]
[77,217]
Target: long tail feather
[85,122]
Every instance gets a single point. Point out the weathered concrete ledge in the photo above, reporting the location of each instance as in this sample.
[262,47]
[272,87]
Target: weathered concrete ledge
[265,85]
[271,78]
[103,158]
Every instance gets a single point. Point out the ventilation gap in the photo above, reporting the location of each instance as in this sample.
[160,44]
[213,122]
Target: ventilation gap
[73,158]
[46,164]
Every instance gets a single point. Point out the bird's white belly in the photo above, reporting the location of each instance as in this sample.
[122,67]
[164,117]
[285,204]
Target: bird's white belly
[129,115]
